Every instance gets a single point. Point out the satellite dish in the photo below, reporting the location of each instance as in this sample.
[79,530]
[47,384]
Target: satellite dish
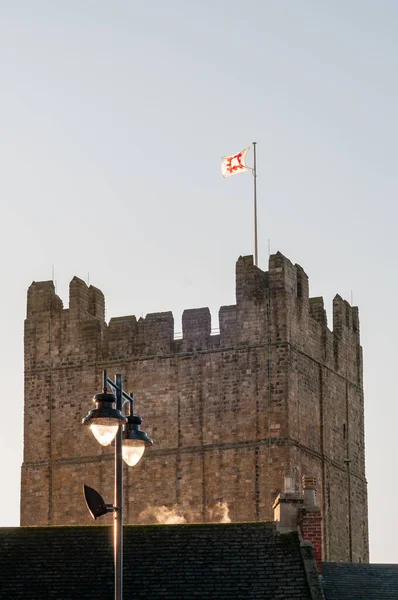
[95,502]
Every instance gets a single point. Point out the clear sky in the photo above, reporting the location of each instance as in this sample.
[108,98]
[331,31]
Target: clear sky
[113,118]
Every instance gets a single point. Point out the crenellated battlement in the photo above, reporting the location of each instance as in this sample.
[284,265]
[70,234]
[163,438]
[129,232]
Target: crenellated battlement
[345,316]
[42,299]
[83,299]
[271,306]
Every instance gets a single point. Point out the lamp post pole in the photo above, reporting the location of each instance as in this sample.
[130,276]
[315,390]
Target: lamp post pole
[108,423]
[118,514]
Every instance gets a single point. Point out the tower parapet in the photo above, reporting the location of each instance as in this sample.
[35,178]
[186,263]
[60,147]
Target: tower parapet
[284,289]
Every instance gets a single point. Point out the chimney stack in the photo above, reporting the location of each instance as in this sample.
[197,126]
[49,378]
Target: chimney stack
[286,506]
[298,510]
[310,518]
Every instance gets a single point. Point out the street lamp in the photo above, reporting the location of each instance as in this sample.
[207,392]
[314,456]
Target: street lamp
[108,423]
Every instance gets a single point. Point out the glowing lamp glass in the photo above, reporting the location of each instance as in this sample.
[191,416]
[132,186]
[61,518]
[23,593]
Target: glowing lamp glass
[132,451]
[104,430]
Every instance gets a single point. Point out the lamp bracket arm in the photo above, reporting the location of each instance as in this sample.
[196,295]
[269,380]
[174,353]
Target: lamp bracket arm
[115,387]
[130,400]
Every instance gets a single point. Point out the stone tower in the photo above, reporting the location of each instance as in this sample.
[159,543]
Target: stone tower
[274,393]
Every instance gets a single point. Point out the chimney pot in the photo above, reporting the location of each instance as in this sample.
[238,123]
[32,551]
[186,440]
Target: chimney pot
[290,484]
[309,491]
[308,482]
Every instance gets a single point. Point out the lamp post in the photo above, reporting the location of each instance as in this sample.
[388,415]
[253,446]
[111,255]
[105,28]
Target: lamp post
[108,423]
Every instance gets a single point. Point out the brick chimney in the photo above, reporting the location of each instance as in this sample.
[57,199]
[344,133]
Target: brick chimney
[298,510]
[310,518]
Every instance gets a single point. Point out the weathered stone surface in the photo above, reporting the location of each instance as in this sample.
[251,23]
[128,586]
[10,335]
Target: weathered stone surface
[275,393]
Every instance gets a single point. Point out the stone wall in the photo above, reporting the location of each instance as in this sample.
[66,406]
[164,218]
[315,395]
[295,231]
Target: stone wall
[274,393]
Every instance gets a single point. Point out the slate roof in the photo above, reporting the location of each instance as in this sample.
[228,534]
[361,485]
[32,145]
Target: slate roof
[359,581]
[233,561]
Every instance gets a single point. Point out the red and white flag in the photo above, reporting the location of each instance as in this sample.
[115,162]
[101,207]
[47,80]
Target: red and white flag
[235,163]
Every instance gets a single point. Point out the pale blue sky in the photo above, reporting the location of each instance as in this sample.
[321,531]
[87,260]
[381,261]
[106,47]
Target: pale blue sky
[113,118]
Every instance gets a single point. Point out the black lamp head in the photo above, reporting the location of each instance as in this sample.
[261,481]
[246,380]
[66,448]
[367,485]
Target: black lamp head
[105,408]
[133,431]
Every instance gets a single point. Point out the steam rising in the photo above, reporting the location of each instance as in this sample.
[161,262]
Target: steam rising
[161,514]
[215,513]
[218,513]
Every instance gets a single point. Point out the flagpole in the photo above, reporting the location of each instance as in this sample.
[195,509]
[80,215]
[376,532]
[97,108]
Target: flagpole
[255,204]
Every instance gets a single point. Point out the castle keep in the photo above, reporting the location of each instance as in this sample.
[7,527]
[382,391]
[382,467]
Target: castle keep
[275,393]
